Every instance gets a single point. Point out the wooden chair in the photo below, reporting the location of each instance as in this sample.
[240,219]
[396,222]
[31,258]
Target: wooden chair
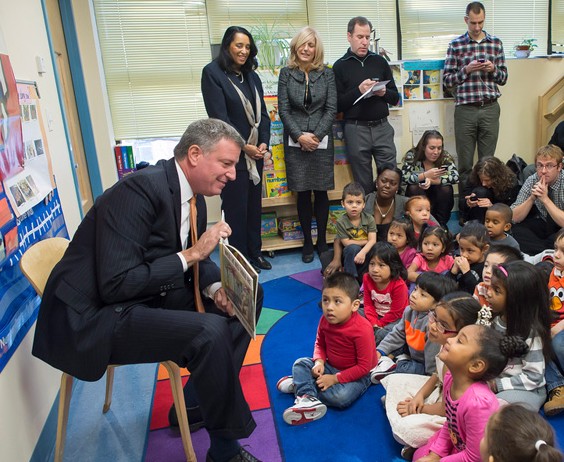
[36,264]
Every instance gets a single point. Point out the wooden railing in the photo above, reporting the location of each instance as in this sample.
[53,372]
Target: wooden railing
[551,109]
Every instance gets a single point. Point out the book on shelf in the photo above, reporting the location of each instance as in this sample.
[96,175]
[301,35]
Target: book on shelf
[125,161]
[240,282]
[275,184]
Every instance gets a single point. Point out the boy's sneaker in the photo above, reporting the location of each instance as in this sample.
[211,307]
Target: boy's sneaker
[305,409]
[385,367]
[286,384]
[402,357]
[555,403]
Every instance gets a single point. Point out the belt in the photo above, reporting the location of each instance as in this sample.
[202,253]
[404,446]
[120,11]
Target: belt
[367,123]
[484,102]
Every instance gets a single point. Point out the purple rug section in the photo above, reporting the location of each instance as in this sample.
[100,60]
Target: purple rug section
[165,444]
[312,278]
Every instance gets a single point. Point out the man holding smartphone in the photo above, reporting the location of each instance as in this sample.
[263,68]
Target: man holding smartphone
[368,133]
[474,67]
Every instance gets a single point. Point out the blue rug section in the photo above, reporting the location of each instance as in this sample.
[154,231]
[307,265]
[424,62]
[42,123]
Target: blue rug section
[359,433]
[288,294]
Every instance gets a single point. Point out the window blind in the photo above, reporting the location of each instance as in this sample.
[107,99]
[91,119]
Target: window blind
[429,26]
[330,19]
[558,26]
[153,52]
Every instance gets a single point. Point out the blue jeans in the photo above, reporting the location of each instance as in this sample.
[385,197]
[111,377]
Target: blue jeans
[409,366]
[553,373]
[349,252]
[340,395]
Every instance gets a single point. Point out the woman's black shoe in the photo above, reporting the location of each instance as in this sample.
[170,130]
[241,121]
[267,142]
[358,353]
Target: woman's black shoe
[307,257]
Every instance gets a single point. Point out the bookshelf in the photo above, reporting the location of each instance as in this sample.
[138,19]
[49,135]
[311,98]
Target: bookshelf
[286,206]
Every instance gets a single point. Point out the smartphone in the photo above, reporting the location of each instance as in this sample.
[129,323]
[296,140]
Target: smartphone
[481,60]
[375,79]
[445,167]
[474,199]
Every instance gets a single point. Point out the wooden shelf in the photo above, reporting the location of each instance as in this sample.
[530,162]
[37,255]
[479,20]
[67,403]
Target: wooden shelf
[277,243]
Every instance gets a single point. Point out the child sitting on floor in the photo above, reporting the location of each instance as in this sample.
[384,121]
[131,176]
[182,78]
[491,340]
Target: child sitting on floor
[473,242]
[517,434]
[433,255]
[477,354]
[495,255]
[402,237]
[418,209]
[343,355]
[385,291]
[356,231]
[414,403]
[498,223]
[409,337]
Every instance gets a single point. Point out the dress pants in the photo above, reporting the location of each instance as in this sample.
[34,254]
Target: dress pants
[211,345]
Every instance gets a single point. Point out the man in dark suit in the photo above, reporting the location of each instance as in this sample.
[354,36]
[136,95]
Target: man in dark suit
[123,292]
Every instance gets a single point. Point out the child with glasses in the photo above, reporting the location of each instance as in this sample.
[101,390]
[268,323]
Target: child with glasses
[539,209]
[414,403]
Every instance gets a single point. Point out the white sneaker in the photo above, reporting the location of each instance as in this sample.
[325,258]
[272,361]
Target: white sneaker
[402,357]
[286,384]
[385,367]
[305,409]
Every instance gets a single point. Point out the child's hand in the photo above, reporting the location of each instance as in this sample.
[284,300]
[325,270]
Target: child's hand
[359,258]
[462,263]
[431,457]
[326,381]
[403,407]
[332,267]
[318,369]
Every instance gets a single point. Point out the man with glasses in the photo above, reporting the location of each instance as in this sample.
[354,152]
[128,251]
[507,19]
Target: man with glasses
[539,209]
[474,67]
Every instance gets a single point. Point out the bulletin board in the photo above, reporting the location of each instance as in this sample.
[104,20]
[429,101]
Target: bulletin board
[30,209]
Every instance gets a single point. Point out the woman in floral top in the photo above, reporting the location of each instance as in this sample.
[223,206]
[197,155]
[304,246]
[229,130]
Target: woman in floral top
[430,171]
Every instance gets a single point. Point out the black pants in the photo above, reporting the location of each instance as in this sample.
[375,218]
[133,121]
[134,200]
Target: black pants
[211,345]
[535,234]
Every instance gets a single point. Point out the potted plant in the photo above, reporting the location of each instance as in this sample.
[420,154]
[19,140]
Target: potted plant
[524,48]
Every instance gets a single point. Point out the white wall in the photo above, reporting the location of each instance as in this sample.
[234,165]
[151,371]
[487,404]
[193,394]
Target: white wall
[28,386]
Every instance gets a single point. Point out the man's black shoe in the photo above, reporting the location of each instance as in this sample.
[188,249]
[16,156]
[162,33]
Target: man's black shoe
[195,419]
[261,263]
[242,456]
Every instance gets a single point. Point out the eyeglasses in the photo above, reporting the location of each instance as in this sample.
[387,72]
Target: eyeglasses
[547,167]
[440,326]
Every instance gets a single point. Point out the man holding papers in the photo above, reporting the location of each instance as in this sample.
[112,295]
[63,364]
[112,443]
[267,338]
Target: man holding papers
[365,87]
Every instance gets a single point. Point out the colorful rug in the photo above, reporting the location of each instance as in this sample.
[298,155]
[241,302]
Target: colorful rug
[286,331]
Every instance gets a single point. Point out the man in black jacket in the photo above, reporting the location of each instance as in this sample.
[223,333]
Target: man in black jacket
[368,133]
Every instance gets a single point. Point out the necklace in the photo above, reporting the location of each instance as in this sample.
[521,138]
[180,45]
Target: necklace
[239,76]
[387,211]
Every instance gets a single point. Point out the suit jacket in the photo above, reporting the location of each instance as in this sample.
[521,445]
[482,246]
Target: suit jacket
[319,117]
[123,254]
[223,102]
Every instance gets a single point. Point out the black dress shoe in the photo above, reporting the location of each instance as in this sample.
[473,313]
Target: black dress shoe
[261,263]
[195,419]
[242,456]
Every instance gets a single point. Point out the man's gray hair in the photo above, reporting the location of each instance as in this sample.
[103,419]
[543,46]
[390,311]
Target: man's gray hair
[206,133]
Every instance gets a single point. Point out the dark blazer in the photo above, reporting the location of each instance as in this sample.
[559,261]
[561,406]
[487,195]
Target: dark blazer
[123,254]
[223,102]
[319,117]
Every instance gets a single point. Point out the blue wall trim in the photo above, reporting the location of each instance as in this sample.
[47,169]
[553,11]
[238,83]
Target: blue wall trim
[69,29]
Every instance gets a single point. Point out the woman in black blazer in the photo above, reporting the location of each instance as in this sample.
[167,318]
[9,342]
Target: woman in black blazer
[232,92]
[307,104]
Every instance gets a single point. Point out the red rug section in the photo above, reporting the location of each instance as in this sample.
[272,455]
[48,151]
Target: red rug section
[252,381]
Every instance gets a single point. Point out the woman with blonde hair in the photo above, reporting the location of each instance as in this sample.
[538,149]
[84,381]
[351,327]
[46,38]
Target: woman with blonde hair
[307,104]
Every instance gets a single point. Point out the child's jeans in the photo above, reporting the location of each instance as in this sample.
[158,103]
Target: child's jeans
[349,252]
[340,395]
[553,373]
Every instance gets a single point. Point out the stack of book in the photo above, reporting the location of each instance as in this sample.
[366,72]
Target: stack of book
[290,228]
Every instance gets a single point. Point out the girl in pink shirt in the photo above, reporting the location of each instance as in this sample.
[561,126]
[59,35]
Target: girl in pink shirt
[477,354]
[433,255]
[402,236]
[385,291]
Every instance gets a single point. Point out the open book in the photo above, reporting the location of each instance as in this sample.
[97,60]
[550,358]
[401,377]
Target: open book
[240,281]
[373,89]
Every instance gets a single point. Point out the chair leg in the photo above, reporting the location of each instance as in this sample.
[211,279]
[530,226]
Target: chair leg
[180,405]
[65,393]
[109,388]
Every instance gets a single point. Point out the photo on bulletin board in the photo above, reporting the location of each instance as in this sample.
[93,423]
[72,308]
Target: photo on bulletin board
[396,74]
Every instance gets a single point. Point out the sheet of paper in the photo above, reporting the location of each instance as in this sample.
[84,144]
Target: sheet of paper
[374,88]
[426,115]
[322,144]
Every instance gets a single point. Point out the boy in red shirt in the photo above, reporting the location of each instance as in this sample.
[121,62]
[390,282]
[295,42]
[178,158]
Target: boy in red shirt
[343,355]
